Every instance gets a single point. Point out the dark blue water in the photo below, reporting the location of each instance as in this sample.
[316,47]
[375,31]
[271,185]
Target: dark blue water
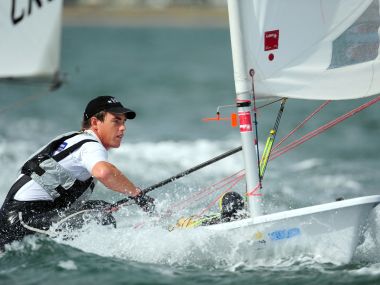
[174,77]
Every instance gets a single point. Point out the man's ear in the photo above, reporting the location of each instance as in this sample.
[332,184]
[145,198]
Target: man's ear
[94,122]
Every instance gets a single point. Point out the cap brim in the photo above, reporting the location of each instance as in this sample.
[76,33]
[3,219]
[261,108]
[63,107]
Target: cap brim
[129,114]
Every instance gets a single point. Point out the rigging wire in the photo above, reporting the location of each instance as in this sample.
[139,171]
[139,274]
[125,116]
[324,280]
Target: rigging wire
[235,178]
[323,128]
[270,103]
[324,104]
[199,195]
[233,183]
[252,74]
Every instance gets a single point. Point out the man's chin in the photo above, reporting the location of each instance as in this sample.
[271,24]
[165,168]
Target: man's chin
[116,144]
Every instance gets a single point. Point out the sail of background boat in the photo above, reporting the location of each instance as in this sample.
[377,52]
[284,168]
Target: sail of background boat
[30,34]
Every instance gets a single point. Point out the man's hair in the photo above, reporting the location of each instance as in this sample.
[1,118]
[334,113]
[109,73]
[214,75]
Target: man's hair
[86,124]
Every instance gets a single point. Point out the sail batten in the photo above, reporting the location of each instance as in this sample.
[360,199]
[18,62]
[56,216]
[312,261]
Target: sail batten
[314,49]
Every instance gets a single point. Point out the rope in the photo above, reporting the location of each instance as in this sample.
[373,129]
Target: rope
[255,191]
[303,123]
[33,229]
[219,196]
[270,103]
[55,226]
[60,222]
[204,192]
[252,73]
[234,179]
[323,128]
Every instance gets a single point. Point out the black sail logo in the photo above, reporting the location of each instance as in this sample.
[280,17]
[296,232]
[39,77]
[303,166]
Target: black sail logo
[22,9]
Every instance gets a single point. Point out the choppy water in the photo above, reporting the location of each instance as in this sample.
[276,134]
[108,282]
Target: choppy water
[174,77]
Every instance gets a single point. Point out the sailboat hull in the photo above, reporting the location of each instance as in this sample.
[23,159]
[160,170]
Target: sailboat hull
[328,232]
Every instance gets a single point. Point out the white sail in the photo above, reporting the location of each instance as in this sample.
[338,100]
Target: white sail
[309,49]
[30,32]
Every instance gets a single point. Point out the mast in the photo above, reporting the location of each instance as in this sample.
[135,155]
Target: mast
[244,95]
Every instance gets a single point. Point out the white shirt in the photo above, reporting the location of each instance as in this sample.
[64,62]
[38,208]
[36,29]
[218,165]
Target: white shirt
[79,163]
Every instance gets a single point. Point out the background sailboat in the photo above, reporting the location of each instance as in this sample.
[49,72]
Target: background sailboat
[306,50]
[31,38]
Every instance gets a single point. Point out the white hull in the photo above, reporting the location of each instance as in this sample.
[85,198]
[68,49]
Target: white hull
[329,231]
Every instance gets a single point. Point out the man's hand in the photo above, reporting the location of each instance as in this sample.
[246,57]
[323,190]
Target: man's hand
[145,202]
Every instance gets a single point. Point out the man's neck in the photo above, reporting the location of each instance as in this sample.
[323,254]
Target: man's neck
[92,133]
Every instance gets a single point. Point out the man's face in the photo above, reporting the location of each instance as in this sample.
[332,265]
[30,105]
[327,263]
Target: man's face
[111,130]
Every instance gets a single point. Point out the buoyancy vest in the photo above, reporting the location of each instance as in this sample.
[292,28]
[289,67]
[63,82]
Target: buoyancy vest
[58,182]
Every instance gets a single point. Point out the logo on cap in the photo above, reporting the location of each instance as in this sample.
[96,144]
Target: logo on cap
[112,100]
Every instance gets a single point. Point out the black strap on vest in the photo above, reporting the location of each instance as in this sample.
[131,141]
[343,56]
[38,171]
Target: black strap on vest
[32,165]
[15,187]
[69,196]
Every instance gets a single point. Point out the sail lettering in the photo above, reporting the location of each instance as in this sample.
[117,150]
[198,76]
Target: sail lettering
[16,19]
[30,5]
[18,10]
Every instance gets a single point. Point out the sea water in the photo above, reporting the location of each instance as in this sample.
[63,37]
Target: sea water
[173,78]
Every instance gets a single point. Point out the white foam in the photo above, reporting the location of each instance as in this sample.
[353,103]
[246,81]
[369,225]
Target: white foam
[153,243]
[307,164]
[68,265]
[372,270]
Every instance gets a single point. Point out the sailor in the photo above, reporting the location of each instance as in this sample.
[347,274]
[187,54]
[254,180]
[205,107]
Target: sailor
[231,206]
[60,176]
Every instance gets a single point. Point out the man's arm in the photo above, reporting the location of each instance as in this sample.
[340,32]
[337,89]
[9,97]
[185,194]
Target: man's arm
[113,179]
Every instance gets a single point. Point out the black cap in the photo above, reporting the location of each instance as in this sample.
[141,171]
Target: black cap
[108,104]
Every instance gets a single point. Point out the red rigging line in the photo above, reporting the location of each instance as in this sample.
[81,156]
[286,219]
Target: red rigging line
[302,123]
[233,183]
[207,191]
[232,180]
[323,128]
